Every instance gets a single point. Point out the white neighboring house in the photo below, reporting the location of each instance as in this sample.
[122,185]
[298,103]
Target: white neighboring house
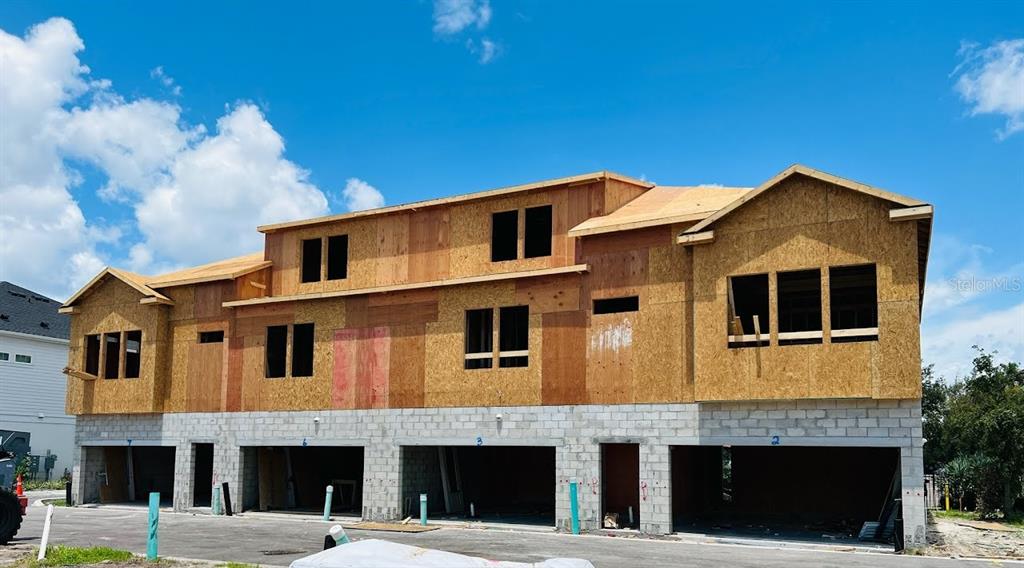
[33,353]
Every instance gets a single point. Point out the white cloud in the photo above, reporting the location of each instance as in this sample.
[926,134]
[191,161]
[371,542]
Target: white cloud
[45,242]
[359,195]
[166,80]
[948,345]
[196,196]
[217,191]
[970,301]
[453,16]
[991,81]
[485,50]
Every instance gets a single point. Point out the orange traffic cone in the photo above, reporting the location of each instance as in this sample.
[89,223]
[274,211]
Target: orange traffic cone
[19,490]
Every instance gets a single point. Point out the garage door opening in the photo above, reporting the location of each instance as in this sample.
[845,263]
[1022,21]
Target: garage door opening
[506,484]
[130,473]
[295,478]
[202,475]
[785,492]
[620,486]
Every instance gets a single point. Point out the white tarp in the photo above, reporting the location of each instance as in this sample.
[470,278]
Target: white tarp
[373,553]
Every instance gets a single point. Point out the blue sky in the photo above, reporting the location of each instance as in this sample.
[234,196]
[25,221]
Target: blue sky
[186,106]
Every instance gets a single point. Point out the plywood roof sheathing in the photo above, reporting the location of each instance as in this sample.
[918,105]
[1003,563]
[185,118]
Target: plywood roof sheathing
[662,205]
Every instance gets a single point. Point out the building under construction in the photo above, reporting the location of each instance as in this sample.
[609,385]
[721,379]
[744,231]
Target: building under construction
[689,356]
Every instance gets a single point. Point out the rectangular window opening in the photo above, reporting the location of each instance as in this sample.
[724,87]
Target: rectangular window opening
[19,358]
[6,356]
[112,360]
[514,336]
[853,296]
[92,354]
[132,354]
[211,336]
[617,305]
[302,350]
[277,348]
[799,307]
[748,298]
[311,252]
[504,236]
[337,257]
[479,338]
[537,240]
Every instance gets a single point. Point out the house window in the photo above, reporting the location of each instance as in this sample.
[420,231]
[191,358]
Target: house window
[5,356]
[853,297]
[799,306]
[617,305]
[479,338]
[211,336]
[504,236]
[514,336]
[311,261]
[112,358]
[132,354]
[19,358]
[537,232]
[337,257]
[92,354]
[277,349]
[748,310]
[302,350]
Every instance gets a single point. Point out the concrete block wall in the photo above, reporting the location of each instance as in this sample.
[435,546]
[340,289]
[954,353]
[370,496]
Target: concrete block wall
[575,432]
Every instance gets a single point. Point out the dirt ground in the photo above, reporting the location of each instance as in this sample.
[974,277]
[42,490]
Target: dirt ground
[955,537]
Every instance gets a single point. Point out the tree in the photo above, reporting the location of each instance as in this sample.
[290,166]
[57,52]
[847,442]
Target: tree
[934,408]
[985,417]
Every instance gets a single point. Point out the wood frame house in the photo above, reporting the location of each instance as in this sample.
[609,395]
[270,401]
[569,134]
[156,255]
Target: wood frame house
[632,338]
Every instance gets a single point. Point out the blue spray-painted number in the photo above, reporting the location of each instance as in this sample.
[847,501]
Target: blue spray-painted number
[129,441]
[305,442]
[479,441]
[775,440]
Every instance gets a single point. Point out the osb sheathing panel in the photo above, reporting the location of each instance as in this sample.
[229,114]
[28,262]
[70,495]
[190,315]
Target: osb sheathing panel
[113,306]
[564,362]
[439,243]
[405,378]
[448,383]
[808,224]
[638,356]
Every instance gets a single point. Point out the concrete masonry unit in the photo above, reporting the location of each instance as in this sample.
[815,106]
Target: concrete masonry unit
[397,452]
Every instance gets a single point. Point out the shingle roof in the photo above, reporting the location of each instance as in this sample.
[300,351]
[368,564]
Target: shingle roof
[24,311]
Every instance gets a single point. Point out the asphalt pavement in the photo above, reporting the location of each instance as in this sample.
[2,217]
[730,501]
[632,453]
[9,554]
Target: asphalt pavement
[277,540]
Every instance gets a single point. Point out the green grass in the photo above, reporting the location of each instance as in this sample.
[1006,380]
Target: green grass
[1014,520]
[56,502]
[79,555]
[36,484]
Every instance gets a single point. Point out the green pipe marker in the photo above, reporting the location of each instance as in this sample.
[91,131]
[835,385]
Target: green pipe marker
[215,502]
[327,502]
[423,509]
[574,506]
[154,519]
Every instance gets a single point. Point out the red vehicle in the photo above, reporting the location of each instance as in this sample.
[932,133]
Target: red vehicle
[12,508]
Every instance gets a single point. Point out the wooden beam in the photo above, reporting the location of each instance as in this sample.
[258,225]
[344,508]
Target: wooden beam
[911,213]
[152,301]
[497,277]
[79,374]
[701,238]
